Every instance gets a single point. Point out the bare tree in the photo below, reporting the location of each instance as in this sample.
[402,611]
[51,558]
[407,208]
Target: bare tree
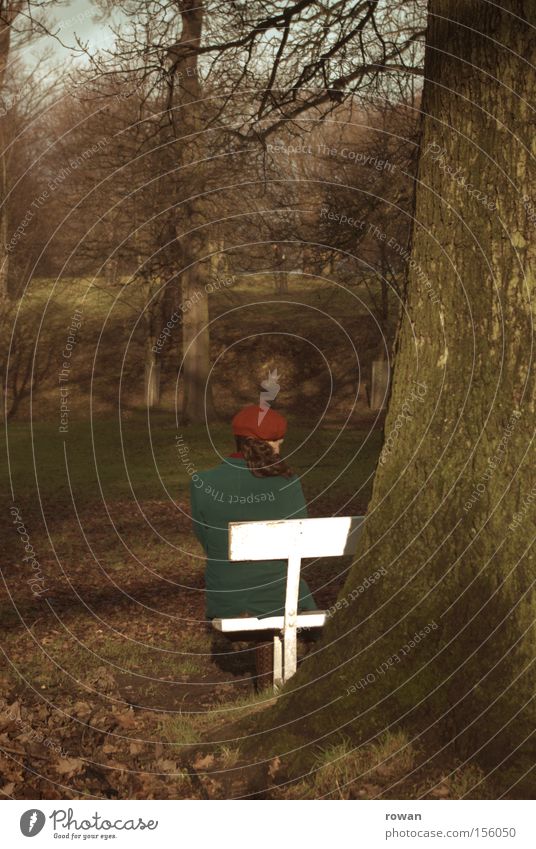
[290,59]
[20,22]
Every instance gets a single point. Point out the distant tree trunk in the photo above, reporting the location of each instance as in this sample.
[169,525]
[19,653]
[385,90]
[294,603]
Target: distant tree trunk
[384,274]
[197,403]
[4,221]
[5,40]
[385,301]
[196,329]
[218,259]
[329,267]
[441,641]
[282,280]
[111,267]
[111,272]
[152,375]
[280,274]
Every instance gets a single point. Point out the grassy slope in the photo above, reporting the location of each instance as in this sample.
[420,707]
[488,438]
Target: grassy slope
[138,457]
[314,334]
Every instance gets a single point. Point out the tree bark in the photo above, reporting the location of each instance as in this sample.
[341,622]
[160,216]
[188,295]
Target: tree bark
[196,403]
[452,517]
[282,281]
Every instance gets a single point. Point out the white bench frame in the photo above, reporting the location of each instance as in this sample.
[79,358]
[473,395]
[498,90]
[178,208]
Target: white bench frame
[291,540]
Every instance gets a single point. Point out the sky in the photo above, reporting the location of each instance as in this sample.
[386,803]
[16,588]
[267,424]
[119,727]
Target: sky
[78,17]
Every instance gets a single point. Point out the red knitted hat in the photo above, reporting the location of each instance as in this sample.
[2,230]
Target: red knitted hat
[259,423]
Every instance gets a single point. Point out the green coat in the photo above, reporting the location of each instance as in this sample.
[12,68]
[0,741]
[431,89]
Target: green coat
[230,493]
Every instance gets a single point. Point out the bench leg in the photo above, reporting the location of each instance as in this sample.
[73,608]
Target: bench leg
[290,645]
[278,662]
[290,641]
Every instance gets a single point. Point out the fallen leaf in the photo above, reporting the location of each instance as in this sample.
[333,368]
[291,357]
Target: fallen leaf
[11,713]
[274,767]
[127,720]
[204,763]
[69,766]
[167,766]
[81,709]
[7,789]
[440,791]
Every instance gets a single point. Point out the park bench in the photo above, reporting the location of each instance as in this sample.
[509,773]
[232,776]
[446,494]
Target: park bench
[290,540]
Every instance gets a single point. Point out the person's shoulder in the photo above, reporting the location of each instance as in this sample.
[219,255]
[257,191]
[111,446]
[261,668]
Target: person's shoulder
[290,483]
[208,473]
[293,478]
[223,469]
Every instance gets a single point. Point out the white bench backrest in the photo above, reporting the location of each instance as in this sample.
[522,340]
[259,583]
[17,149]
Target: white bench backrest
[285,538]
[292,539]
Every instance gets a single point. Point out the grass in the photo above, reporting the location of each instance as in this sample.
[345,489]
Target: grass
[98,298]
[467,782]
[114,460]
[344,772]
[182,729]
[148,660]
[190,728]
[228,757]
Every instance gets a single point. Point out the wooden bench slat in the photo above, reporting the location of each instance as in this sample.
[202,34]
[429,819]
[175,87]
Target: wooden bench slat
[313,619]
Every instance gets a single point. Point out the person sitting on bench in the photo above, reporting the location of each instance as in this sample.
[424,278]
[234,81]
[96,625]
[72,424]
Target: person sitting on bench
[253,484]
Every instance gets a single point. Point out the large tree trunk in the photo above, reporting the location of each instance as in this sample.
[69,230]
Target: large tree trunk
[452,517]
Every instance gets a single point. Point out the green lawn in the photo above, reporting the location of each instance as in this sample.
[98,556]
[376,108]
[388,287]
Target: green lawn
[138,457]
